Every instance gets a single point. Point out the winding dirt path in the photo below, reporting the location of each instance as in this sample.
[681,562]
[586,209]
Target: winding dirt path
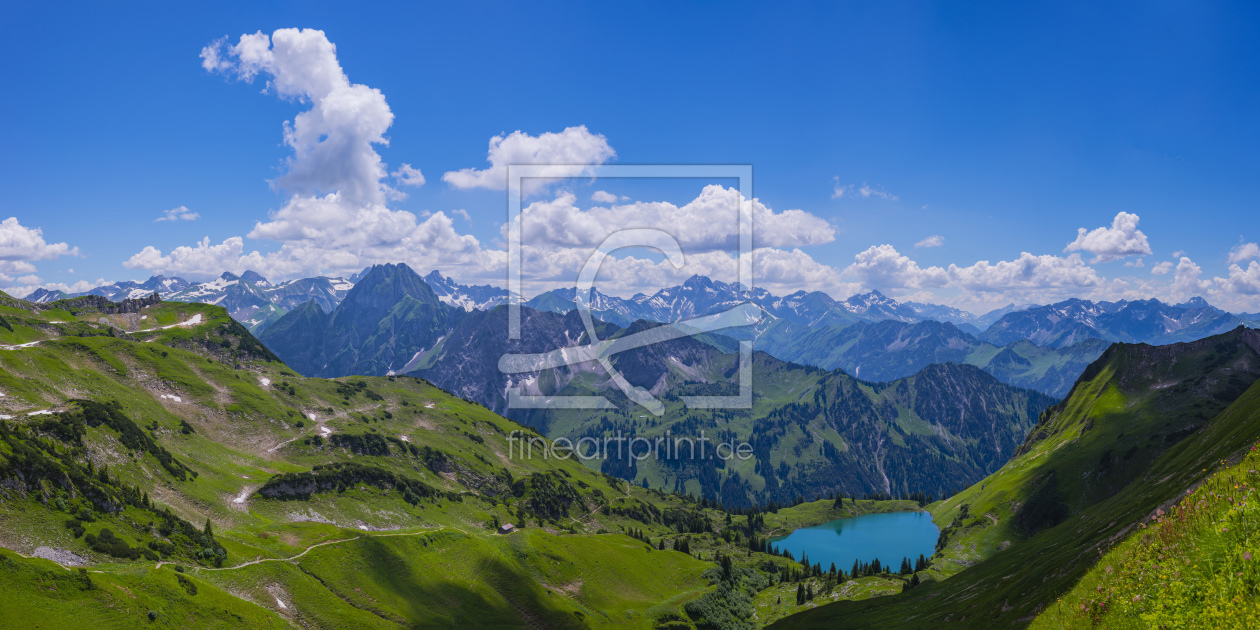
[326,543]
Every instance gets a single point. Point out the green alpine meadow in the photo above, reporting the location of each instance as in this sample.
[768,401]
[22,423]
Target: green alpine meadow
[647,316]
[162,466]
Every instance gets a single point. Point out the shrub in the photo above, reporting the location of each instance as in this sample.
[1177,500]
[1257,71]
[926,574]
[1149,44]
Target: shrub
[76,527]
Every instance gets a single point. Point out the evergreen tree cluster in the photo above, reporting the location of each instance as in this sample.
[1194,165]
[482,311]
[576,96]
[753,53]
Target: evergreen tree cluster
[343,476]
[49,458]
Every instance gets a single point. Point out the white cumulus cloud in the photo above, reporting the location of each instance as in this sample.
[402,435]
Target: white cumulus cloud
[600,196]
[332,141]
[336,219]
[19,245]
[203,260]
[1162,268]
[566,154]
[936,240]
[406,175]
[1243,252]
[1240,280]
[883,267]
[708,222]
[1187,280]
[1026,273]
[1122,239]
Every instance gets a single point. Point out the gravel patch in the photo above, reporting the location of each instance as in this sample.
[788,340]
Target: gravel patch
[61,556]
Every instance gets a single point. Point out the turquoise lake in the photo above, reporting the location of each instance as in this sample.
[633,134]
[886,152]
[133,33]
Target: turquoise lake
[889,537]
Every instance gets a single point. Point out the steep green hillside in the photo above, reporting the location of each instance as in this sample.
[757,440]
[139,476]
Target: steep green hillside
[1141,426]
[200,482]
[1191,565]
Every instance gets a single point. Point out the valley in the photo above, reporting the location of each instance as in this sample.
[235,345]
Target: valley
[160,443]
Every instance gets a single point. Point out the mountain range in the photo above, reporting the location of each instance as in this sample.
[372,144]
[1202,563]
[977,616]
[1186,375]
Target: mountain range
[813,431]
[945,426]
[869,335]
[249,298]
[1140,321]
[888,350]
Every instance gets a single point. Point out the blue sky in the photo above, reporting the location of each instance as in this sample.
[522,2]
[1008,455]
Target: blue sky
[1001,129]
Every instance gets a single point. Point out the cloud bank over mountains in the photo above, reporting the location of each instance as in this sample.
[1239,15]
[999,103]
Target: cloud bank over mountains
[336,217]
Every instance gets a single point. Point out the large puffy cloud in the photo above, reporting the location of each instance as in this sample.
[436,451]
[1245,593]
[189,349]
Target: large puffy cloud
[983,284]
[565,154]
[777,270]
[1241,281]
[883,267]
[1243,252]
[336,219]
[1187,280]
[1026,273]
[1122,239]
[332,141]
[787,271]
[19,245]
[203,260]
[708,222]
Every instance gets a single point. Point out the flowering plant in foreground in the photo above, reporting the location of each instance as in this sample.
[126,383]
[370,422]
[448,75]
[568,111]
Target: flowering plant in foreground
[1194,565]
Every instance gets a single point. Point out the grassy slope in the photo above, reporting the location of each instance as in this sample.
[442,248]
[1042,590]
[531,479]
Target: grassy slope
[1130,402]
[245,431]
[1194,565]
[41,594]
[359,557]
